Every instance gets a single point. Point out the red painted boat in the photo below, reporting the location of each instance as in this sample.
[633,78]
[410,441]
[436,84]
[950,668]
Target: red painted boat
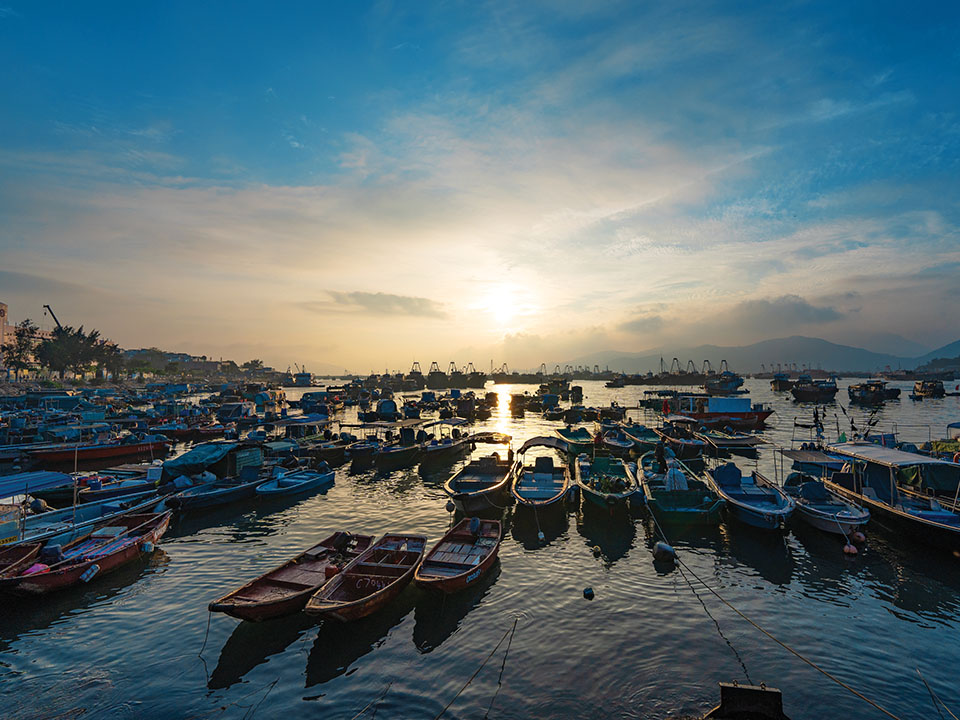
[105,549]
[17,558]
[100,451]
[371,581]
[286,589]
[463,556]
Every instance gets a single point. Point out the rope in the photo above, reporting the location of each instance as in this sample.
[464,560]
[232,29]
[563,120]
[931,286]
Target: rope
[205,635]
[502,666]
[937,702]
[375,700]
[782,644]
[475,673]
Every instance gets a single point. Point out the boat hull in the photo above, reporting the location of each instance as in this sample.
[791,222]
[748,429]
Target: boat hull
[833,525]
[93,452]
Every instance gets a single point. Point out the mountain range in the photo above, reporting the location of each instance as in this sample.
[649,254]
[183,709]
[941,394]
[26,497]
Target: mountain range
[767,354]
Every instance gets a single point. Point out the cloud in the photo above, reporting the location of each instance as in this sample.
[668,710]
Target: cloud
[783,311]
[642,324]
[377,304]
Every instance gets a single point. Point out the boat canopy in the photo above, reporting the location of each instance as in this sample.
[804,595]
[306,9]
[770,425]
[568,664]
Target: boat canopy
[813,457]
[28,482]
[204,457]
[873,453]
[312,419]
[543,441]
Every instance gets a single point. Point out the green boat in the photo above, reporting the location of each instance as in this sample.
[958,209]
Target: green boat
[644,438]
[697,505]
[578,441]
[606,481]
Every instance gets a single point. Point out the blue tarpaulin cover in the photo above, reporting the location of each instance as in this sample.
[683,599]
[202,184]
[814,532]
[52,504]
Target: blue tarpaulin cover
[28,482]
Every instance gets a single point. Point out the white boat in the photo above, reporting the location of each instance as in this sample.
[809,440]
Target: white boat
[819,507]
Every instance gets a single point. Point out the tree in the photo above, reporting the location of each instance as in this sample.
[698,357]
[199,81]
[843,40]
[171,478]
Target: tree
[110,359]
[69,349]
[18,355]
[255,365]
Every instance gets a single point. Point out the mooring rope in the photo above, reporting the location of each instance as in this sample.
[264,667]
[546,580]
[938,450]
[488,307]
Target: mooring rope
[937,702]
[502,666]
[770,635]
[475,673]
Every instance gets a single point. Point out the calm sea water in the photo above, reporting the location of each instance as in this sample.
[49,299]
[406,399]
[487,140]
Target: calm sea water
[129,645]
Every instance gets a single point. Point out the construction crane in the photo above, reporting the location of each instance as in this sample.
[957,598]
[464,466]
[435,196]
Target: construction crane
[50,310]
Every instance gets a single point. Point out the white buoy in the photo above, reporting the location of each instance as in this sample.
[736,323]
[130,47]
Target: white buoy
[664,553]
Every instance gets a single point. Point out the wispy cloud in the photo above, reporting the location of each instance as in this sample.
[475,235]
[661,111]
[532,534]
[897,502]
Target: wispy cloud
[376,303]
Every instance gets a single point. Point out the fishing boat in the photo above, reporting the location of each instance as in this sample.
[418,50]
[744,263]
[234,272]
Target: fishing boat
[726,441]
[106,548]
[286,589]
[463,556]
[699,504]
[617,443]
[443,448]
[542,485]
[142,446]
[294,482]
[371,580]
[578,440]
[644,438]
[607,482]
[680,439]
[738,412]
[900,490]
[928,389]
[872,392]
[219,492]
[17,558]
[753,499]
[481,484]
[825,510]
[723,383]
[806,389]
[781,382]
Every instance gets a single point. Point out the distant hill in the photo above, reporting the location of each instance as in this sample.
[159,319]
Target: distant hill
[813,352]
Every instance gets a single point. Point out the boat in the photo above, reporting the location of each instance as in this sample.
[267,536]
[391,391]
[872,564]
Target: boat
[578,440]
[872,392]
[481,484]
[781,382]
[875,478]
[680,439]
[144,446]
[825,510]
[542,485]
[293,482]
[699,504]
[723,383]
[644,438]
[725,441]
[737,412]
[286,589]
[747,702]
[617,443]
[806,389]
[445,448]
[753,499]
[371,580]
[607,482]
[17,558]
[219,492]
[462,557]
[928,389]
[106,548]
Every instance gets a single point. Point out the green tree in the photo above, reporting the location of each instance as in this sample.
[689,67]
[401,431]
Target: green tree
[69,349]
[19,355]
[255,365]
[110,359]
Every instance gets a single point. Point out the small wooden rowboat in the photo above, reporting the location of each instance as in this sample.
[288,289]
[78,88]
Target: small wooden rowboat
[105,549]
[463,556]
[17,558]
[370,581]
[286,589]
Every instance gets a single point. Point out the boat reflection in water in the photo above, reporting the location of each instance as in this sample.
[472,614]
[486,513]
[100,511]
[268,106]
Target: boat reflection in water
[252,643]
[339,645]
[438,616]
[765,552]
[527,527]
[611,537]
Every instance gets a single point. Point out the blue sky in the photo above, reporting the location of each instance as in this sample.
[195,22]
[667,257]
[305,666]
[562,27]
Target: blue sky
[365,184]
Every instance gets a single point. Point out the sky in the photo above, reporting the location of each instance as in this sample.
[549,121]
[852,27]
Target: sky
[360,185]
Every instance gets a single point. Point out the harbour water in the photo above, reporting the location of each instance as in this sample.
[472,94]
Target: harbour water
[141,644]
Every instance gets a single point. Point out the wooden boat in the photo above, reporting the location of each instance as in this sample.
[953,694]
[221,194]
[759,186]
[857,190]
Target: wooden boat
[542,485]
[753,499]
[17,558]
[219,492]
[286,589]
[480,485]
[681,441]
[107,547]
[806,389]
[720,440]
[463,556]
[823,509]
[617,443]
[643,437]
[578,440]
[293,482]
[100,451]
[699,504]
[371,580]
[928,389]
[607,482]
[873,392]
